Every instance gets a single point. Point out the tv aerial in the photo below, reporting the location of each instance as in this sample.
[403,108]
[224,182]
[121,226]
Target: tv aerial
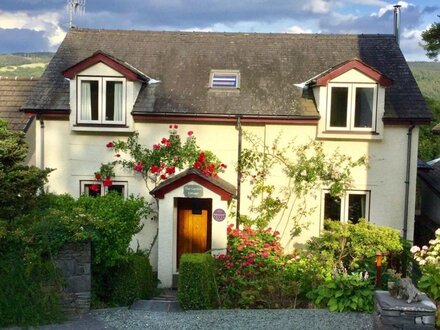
[75,6]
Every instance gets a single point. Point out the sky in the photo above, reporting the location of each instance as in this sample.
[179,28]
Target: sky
[40,25]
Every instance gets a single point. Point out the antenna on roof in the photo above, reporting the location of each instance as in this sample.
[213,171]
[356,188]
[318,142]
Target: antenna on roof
[75,6]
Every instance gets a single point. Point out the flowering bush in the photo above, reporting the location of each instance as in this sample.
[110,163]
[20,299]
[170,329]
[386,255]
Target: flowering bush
[428,258]
[162,160]
[247,272]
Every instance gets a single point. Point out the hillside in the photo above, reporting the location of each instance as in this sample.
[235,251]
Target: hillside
[24,64]
[427,75]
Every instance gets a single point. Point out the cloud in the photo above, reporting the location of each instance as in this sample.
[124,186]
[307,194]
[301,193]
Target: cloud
[298,29]
[317,6]
[47,23]
[22,40]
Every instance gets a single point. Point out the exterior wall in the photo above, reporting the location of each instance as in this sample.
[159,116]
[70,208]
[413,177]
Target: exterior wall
[30,139]
[77,155]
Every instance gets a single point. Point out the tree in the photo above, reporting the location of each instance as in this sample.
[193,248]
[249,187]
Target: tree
[19,183]
[429,143]
[431,37]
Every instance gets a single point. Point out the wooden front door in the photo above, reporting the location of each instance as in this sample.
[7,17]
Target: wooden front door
[193,226]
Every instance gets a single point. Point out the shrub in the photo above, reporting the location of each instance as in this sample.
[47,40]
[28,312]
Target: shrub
[355,245]
[29,293]
[196,289]
[127,281]
[345,293]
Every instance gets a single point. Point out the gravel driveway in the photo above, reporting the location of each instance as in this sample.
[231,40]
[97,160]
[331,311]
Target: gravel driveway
[123,318]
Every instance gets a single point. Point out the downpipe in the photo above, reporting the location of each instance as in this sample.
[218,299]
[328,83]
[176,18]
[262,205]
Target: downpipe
[407,178]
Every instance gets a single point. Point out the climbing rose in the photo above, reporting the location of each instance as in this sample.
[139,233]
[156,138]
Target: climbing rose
[197,165]
[163,176]
[95,187]
[190,133]
[170,170]
[98,176]
[176,126]
[138,167]
[202,157]
[156,146]
[107,182]
[155,169]
[109,145]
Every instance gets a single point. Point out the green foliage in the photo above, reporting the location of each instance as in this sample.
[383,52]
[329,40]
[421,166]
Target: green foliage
[29,293]
[309,169]
[20,183]
[429,143]
[197,288]
[123,283]
[427,75]
[344,292]
[355,245]
[19,64]
[431,37]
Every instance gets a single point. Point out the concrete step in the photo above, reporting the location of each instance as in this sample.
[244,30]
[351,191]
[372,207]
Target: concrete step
[166,301]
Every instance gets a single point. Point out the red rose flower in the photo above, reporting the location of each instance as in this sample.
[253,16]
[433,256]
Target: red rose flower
[197,165]
[202,157]
[171,126]
[98,176]
[223,165]
[138,167]
[109,145]
[190,133]
[170,170]
[154,169]
[107,182]
[163,177]
[163,141]
[156,146]
[95,187]
[176,126]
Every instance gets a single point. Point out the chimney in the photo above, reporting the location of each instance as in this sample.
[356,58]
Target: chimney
[397,23]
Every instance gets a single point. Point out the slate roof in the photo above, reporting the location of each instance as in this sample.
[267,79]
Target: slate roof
[432,177]
[13,94]
[269,65]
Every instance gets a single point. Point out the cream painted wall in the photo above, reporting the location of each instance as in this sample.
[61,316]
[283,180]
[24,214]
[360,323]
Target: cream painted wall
[77,155]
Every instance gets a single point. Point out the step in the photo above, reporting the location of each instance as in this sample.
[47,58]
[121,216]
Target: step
[157,305]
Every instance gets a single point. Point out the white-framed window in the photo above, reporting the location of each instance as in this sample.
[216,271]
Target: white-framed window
[101,100]
[352,107]
[96,188]
[224,79]
[354,205]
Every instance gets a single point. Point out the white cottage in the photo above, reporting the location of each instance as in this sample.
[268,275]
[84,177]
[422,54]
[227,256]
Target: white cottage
[354,93]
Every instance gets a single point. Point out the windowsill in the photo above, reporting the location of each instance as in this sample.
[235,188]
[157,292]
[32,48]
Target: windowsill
[349,135]
[101,128]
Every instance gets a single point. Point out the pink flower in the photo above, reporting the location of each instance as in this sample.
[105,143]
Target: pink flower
[164,141]
[190,133]
[265,254]
[276,233]
[240,248]
[107,182]
[109,145]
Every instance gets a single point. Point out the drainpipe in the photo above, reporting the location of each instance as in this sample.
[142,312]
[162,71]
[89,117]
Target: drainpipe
[240,138]
[408,169]
[397,23]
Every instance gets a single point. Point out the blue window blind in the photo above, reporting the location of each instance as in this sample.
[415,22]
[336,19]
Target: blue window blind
[224,80]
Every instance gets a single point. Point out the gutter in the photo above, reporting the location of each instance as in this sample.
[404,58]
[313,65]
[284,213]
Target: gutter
[407,182]
[240,140]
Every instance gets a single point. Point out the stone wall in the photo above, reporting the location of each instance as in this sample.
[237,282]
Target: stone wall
[74,261]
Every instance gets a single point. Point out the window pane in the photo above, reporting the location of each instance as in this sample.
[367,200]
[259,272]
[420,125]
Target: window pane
[356,207]
[363,116]
[119,189]
[113,101]
[332,207]
[338,110]
[89,100]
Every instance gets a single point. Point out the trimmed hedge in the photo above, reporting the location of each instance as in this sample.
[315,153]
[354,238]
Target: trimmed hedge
[125,282]
[197,288]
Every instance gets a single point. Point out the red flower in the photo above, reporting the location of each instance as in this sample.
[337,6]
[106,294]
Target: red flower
[265,254]
[176,126]
[171,126]
[164,141]
[170,170]
[190,133]
[202,157]
[118,155]
[156,146]
[155,169]
[223,165]
[138,167]
[107,182]
[95,187]
[168,144]
[109,145]
[163,177]
[276,233]
[98,176]
[197,165]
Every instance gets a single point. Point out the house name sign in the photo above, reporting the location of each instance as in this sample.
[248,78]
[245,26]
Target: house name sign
[192,191]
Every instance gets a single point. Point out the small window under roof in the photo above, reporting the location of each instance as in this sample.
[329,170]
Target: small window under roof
[225,79]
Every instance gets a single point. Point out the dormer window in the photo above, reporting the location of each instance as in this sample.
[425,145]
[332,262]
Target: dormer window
[101,100]
[352,107]
[224,79]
